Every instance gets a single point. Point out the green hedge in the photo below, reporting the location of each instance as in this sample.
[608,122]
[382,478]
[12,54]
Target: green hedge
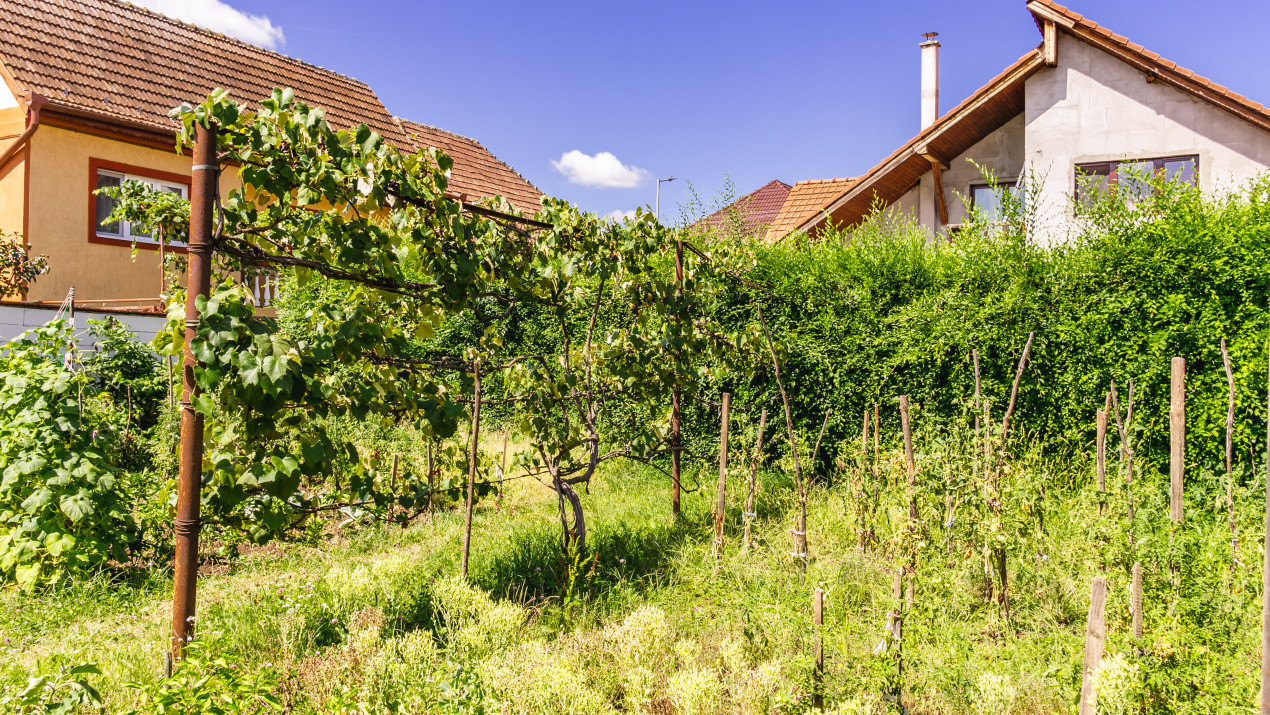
[881,311]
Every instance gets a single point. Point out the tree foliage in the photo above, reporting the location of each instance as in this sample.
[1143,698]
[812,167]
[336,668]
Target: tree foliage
[413,259]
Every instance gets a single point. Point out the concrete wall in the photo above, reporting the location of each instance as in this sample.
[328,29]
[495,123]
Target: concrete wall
[58,221]
[1001,153]
[13,173]
[16,319]
[1093,107]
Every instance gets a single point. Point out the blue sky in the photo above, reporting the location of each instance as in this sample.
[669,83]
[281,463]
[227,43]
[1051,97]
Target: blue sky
[703,91]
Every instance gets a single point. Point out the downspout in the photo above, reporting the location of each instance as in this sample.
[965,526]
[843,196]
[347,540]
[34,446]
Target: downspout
[34,103]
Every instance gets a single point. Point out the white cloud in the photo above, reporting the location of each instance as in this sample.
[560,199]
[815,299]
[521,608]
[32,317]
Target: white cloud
[219,17]
[620,215]
[602,170]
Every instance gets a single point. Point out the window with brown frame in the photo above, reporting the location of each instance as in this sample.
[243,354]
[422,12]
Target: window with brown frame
[988,199]
[1129,177]
[102,174]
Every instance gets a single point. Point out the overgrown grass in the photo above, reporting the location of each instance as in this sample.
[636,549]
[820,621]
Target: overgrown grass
[375,622]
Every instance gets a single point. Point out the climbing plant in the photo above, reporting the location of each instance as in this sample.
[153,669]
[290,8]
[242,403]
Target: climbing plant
[347,207]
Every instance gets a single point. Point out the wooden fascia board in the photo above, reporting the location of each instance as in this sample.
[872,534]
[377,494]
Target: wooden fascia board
[57,116]
[1046,14]
[1171,77]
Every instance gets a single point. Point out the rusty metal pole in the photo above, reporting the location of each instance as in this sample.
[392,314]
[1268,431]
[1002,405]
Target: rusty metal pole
[675,434]
[203,194]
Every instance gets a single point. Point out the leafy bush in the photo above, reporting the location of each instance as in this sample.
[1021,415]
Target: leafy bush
[61,512]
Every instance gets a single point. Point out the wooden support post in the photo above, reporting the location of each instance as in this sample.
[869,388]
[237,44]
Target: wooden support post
[1265,575]
[502,469]
[432,497]
[750,514]
[912,491]
[974,357]
[721,507]
[1230,451]
[203,196]
[818,620]
[1095,639]
[1100,448]
[1135,601]
[396,458]
[471,463]
[1177,437]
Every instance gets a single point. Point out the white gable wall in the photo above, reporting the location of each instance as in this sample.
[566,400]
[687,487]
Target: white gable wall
[1093,107]
[7,100]
[1000,154]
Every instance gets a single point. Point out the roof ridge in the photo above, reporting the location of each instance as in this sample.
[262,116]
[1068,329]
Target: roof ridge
[825,181]
[207,31]
[404,120]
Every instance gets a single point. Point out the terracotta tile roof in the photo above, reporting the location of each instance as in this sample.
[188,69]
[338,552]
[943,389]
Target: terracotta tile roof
[977,116]
[756,210]
[476,171]
[1131,52]
[124,63]
[805,200]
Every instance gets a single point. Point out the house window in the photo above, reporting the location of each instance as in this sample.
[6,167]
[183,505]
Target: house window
[105,175]
[986,199]
[1130,177]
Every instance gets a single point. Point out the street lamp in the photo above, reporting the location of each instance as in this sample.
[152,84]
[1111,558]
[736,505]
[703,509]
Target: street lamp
[657,203]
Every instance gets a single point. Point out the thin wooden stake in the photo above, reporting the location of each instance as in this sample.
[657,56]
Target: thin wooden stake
[1177,437]
[432,497]
[1230,451]
[1101,450]
[721,508]
[127,424]
[393,481]
[471,463]
[912,490]
[1265,572]
[1095,639]
[974,466]
[1135,601]
[816,450]
[750,515]
[800,532]
[818,620]
[502,469]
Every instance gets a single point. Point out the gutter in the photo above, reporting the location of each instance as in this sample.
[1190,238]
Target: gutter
[34,103]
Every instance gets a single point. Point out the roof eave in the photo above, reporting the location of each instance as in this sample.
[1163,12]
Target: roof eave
[916,147]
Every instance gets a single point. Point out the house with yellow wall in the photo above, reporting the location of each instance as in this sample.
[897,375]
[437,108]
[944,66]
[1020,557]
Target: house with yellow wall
[85,91]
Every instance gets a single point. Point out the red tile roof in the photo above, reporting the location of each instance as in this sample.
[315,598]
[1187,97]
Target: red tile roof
[476,171]
[805,200]
[751,214]
[124,63]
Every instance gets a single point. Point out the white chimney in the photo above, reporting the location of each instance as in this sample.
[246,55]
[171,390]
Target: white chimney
[930,79]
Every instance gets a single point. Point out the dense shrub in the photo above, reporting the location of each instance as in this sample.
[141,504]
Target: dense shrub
[863,316]
[60,509]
